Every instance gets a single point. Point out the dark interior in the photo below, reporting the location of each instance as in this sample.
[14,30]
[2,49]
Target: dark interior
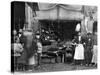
[95,26]
[68,29]
[64,29]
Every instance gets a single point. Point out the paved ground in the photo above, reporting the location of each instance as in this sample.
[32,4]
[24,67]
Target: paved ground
[51,66]
[59,67]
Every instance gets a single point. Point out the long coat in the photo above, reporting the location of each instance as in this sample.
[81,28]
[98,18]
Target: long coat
[29,48]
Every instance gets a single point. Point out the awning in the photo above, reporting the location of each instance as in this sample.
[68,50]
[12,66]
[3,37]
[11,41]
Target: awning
[65,14]
[59,11]
[47,14]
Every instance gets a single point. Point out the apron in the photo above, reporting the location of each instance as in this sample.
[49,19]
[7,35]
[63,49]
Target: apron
[79,52]
[32,60]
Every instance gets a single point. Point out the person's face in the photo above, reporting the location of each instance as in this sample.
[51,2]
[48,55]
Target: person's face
[95,33]
[37,36]
[20,30]
[17,41]
[14,32]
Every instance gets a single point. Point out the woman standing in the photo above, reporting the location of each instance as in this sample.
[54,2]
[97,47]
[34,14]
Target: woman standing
[79,50]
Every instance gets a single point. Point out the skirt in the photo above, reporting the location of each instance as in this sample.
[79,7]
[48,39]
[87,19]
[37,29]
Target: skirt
[32,60]
[79,52]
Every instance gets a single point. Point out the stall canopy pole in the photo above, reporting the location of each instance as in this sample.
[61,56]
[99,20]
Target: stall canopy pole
[58,15]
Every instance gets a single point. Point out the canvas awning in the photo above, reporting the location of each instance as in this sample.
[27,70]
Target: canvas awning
[59,11]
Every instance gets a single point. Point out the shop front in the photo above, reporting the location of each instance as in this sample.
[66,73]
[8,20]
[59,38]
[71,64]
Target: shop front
[61,19]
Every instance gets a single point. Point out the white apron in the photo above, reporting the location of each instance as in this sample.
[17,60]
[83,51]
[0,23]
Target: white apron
[79,52]
[32,60]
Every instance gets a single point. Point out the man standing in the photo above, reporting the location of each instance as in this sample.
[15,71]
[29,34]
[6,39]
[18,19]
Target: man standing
[88,49]
[39,50]
[94,58]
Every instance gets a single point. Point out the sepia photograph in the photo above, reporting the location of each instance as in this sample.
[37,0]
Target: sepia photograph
[51,37]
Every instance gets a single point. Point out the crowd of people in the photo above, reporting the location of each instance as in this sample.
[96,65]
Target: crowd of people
[24,49]
[27,47]
[86,50]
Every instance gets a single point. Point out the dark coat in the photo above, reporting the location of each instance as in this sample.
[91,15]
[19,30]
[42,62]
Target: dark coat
[76,40]
[88,49]
[89,43]
[30,48]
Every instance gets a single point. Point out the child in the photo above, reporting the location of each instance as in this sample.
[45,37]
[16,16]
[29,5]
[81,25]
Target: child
[39,52]
[17,50]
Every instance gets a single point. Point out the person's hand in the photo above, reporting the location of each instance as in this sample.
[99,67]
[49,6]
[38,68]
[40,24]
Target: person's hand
[41,54]
[84,43]
[76,44]
[21,49]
